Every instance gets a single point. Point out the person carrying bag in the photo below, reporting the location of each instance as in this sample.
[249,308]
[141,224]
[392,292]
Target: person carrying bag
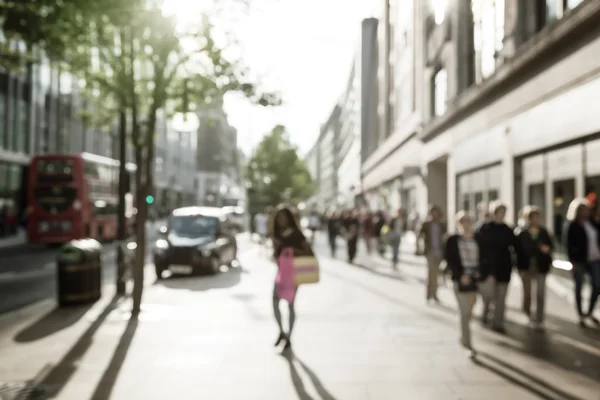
[464,259]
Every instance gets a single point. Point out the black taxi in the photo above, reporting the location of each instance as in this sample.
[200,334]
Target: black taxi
[195,240]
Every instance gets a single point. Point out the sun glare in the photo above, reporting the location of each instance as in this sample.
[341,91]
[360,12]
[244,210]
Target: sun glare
[187,12]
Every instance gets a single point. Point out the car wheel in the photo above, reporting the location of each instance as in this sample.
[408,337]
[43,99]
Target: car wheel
[215,265]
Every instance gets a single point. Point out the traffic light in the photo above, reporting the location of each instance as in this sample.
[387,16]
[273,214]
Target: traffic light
[149,199]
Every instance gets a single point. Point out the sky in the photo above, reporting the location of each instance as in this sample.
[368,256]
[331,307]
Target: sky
[304,50]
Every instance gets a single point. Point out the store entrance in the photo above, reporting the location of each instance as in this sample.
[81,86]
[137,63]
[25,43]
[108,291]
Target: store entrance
[563,194]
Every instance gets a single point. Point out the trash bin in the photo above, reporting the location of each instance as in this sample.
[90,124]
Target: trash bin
[79,266]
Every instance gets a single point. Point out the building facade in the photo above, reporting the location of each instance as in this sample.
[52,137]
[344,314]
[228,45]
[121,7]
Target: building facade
[311,159]
[348,172]
[42,110]
[327,190]
[391,173]
[480,100]
[218,177]
[175,166]
[518,122]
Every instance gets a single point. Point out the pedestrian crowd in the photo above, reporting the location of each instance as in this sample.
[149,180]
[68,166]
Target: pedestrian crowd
[480,256]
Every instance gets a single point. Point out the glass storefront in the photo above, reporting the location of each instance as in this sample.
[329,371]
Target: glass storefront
[477,187]
[553,179]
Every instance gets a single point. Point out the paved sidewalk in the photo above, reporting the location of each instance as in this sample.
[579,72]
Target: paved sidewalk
[359,336]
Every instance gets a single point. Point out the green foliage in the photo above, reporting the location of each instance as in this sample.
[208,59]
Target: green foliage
[276,173]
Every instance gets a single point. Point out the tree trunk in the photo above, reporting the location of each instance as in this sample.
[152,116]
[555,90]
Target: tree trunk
[122,222]
[145,176]
[140,231]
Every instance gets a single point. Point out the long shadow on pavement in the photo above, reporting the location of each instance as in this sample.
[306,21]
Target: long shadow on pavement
[62,372]
[54,321]
[521,378]
[111,373]
[299,384]
[564,354]
[549,347]
[375,271]
[222,280]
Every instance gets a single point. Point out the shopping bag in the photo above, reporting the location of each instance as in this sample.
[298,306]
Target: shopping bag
[306,270]
[284,281]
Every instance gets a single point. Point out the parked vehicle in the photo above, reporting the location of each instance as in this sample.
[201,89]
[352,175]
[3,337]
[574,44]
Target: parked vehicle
[195,240]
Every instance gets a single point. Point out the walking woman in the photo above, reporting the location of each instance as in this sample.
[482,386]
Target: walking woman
[380,221]
[368,230]
[583,249]
[350,230]
[286,233]
[433,233]
[333,230]
[498,242]
[464,260]
[535,258]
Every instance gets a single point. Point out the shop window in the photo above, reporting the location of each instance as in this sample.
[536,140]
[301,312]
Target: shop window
[563,193]
[465,202]
[592,192]
[478,198]
[493,195]
[440,92]
[537,197]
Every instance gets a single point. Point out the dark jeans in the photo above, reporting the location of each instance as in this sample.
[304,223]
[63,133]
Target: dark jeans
[352,245]
[579,272]
[332,243]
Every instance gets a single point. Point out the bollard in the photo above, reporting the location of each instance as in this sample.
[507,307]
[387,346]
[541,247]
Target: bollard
[79,265]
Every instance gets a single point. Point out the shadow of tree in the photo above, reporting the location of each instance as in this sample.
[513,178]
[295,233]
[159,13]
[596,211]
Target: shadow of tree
[54,321]
[106,384]
[62,372]
[564,354]
[522,378]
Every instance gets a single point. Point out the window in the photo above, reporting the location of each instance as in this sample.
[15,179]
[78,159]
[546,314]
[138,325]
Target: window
[488,35]
[573,3]
[440,92]
[21,139]
[439,8]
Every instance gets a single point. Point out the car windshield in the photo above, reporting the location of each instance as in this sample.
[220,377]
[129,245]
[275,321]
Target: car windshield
[193,226]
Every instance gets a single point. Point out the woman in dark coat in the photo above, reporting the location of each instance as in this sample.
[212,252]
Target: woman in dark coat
[582,240]
[535,259]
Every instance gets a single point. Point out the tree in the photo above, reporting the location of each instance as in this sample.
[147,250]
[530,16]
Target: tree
[275,172]
[143,62]
[137,63]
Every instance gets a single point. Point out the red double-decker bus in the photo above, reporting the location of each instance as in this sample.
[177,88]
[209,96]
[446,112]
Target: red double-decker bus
[74,196]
